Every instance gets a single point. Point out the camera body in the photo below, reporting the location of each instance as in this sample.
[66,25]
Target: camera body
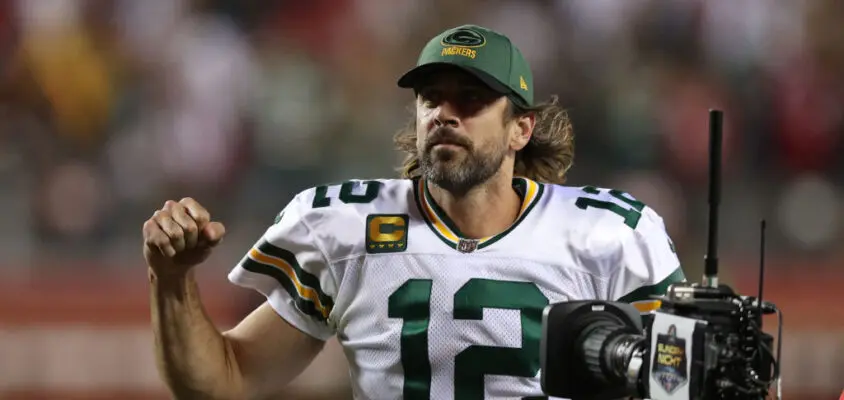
[702,343]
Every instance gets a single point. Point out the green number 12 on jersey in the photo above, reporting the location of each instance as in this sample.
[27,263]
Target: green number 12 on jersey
[412,303]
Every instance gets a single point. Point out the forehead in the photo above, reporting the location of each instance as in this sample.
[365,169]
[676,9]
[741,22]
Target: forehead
[450,77]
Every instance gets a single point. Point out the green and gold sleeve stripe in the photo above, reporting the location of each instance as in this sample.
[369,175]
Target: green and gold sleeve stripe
[641,297]
[302,286]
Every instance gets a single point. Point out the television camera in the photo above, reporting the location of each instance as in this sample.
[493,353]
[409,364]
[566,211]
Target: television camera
[705,341]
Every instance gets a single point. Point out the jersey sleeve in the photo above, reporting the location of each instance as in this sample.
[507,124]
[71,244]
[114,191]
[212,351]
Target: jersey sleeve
[288,266]
[648,263]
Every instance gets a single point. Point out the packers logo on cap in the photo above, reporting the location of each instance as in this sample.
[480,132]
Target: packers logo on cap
[464,38]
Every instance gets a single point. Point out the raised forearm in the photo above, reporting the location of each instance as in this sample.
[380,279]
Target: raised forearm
[193,358]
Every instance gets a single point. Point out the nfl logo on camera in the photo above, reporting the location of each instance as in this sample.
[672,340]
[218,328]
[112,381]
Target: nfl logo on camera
[670,362]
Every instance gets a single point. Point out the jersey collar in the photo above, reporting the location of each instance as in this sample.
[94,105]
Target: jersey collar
[447,231]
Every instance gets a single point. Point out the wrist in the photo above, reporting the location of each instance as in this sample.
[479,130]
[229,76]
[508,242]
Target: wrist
[177,281]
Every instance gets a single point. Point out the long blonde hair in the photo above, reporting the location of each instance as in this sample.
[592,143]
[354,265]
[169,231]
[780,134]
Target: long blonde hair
[547,157]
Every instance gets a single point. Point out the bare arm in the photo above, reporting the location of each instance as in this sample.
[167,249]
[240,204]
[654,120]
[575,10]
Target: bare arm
[270,351]
[254,360]
[193,358]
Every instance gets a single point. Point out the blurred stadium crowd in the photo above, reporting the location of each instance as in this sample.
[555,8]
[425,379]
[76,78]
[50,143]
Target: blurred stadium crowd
[110,107]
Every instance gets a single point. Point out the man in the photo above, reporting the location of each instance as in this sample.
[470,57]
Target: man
[434,284]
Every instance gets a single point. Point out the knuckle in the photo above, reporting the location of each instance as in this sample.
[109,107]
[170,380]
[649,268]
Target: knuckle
[170,204]
[190,228]
[161,240]
[202,218]
[187,200]
[176,232]
[200,213]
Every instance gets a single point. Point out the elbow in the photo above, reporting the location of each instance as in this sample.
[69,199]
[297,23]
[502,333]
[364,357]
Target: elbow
[182,392]
[204,389]
[211,381]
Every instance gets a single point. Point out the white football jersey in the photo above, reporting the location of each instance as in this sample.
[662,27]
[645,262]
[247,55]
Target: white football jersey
[423,313]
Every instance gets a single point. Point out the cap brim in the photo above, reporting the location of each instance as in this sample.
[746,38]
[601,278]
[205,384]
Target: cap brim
[413,77]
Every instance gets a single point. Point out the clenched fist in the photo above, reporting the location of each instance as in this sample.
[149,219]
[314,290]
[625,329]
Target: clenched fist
[180,236]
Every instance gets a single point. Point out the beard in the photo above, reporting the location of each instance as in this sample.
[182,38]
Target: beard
[458,170]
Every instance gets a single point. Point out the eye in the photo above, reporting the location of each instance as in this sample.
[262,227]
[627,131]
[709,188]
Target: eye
[472,96]
[429,98]
[477,97]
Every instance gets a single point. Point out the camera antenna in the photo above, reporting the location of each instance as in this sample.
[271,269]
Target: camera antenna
[761,268]
[710,275]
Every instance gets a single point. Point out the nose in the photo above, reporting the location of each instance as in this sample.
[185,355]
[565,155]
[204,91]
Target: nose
[446,114]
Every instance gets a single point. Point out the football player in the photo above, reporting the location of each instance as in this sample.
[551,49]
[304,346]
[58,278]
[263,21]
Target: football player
[435,283]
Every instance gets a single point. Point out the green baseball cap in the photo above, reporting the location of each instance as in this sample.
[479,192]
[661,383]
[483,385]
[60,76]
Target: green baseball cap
[486,54]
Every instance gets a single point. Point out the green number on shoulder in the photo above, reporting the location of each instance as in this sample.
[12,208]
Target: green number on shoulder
[631,215]
[347,194]
[412,301]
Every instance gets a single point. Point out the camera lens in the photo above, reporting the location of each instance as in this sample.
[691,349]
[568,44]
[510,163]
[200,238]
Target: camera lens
[592,350]
[607,349]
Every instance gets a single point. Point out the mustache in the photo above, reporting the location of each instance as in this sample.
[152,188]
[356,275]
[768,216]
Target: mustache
[446,135]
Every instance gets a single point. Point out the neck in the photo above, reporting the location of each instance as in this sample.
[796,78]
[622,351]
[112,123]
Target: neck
[483,211]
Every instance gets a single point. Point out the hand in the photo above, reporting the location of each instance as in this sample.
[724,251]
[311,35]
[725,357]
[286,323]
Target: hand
[180,236]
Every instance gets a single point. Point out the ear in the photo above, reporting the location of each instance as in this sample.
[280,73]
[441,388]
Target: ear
[521,131]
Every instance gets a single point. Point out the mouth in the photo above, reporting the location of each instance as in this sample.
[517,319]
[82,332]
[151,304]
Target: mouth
[446,146]
[444,139]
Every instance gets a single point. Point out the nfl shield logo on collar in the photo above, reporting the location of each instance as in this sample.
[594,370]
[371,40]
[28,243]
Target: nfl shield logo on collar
[467,245]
